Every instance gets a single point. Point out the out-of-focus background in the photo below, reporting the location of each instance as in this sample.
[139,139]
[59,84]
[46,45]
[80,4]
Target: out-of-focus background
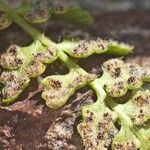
[102,5]
[114,5]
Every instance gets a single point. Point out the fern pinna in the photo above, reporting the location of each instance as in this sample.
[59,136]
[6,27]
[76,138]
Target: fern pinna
[98,128]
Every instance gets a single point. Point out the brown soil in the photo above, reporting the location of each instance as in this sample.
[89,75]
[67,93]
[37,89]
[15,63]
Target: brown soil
[24,123]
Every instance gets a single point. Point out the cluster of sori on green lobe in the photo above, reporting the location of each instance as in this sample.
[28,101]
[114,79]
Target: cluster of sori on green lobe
[5,20]
[98,129]
[83,49]
[134,119]
[41,11]
[119,77]
[14,83]
[138,107]
[38,13]
[29,62]
[12,59]
[20,64]
[58,88]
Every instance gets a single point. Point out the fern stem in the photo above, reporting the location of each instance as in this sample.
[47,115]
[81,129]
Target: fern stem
[34,33]
[37,35]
